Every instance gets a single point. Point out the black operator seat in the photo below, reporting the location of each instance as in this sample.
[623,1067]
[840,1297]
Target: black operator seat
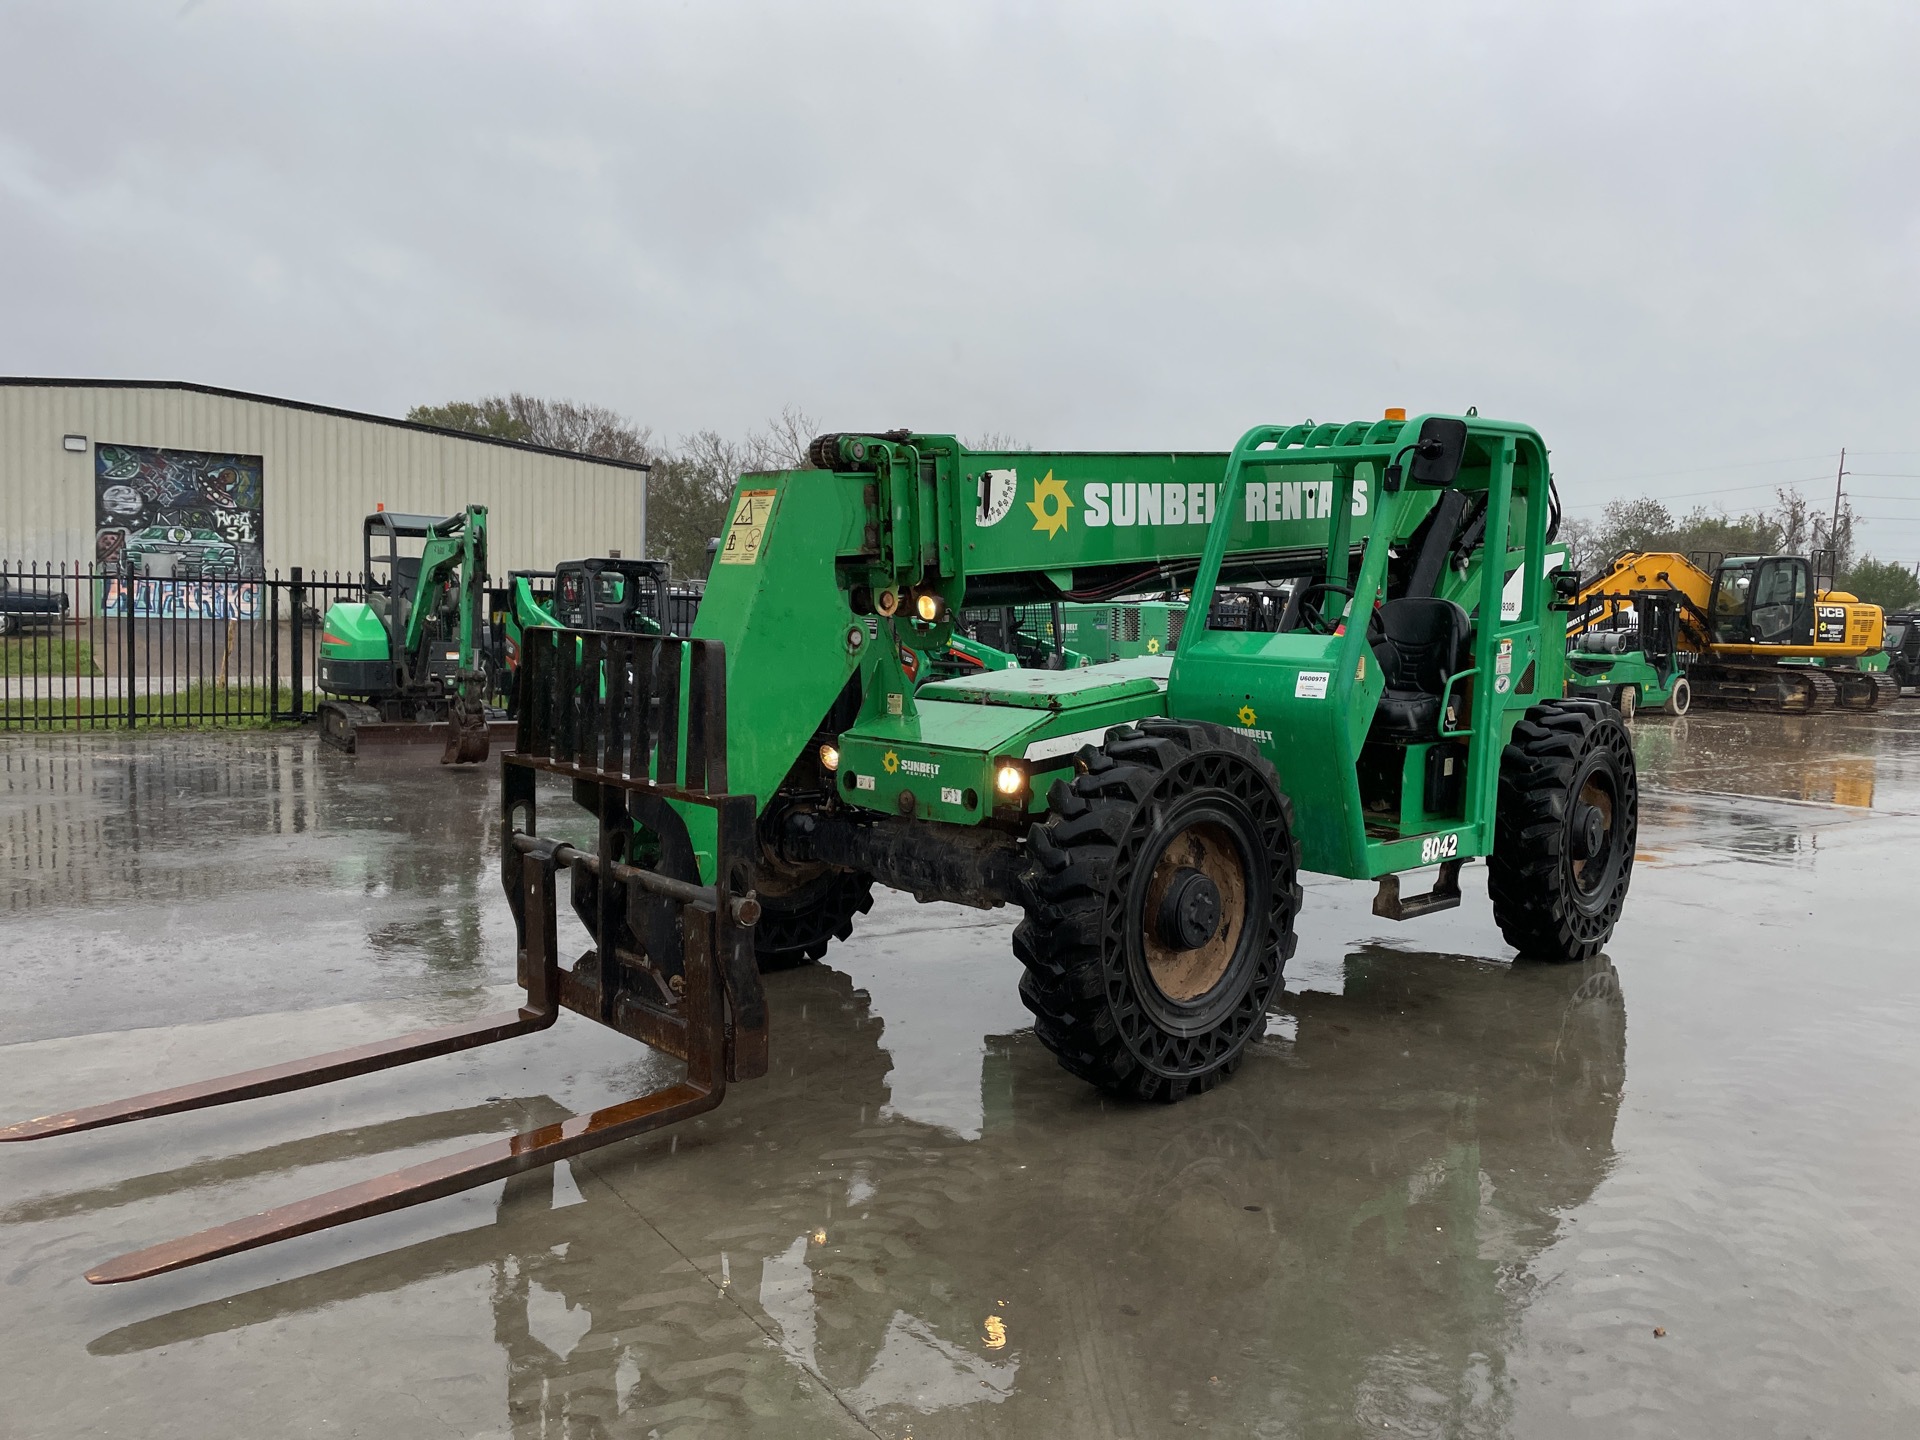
[1419,642]
[406,574]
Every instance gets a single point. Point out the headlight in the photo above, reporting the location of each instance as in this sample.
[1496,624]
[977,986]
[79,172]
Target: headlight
[829,757]
[929,608]
[1010,780]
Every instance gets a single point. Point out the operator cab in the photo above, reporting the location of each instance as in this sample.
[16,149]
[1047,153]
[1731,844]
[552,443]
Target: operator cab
[1762,600]
[393,546]
[611,593]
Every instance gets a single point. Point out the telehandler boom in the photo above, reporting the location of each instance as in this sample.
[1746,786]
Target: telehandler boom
[1400,708]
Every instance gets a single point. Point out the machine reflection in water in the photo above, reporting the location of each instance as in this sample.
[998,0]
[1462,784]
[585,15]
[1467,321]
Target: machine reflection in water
[1346,1235]
[1825,759]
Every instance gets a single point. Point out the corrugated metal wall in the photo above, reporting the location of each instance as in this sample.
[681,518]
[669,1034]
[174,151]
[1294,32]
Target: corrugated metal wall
[321,475]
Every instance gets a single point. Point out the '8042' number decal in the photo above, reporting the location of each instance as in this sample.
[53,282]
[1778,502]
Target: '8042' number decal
[1439,847]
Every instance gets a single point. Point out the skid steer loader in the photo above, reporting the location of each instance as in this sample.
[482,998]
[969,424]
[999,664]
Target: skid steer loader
[1398,708]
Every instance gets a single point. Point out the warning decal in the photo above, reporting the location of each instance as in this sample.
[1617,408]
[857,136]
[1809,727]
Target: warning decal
[742,546]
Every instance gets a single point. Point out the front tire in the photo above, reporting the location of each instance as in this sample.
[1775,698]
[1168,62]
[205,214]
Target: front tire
[1680,697]
[1564,830]
[1162,892]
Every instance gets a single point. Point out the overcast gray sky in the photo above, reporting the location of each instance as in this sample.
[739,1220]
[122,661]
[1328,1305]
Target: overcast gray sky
[1682,239]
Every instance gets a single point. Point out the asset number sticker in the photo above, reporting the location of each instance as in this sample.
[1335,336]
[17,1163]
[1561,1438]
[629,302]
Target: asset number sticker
[863,782]
[748,529]
[950,795]
[1439,847]
[1311,685]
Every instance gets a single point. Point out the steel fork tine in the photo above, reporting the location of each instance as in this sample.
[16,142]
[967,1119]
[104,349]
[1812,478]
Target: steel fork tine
[292,1075]
[416,1184]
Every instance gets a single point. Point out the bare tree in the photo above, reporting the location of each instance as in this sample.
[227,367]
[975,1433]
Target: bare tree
[690,483]
[997,442]
[785,440]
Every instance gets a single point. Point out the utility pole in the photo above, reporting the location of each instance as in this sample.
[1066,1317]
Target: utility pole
[1833,530]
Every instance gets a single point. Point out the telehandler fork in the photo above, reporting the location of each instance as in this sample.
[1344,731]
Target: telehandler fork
[670,696]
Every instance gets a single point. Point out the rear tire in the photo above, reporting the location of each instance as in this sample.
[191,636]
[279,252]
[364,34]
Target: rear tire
[1680,698]
[1564,831]
[797,925]
[1627,701]
[1161,896]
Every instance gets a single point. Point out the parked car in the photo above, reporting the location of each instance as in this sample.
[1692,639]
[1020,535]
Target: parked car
[20,608]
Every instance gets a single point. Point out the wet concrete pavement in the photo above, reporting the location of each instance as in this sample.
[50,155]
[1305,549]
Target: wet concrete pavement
[1447,1195]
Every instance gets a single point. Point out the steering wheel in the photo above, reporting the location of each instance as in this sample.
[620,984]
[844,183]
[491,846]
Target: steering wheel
[1312,617]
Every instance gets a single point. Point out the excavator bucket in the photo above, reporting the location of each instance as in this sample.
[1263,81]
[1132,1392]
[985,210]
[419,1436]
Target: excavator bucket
[637,727]
[468,738]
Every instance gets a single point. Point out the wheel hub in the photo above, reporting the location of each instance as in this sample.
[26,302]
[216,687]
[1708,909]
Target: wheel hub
[1189,911]
[1589,832]
[1193,912]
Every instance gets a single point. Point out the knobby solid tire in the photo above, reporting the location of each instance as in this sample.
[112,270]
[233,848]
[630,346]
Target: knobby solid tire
[1083,983]
[1537,901]
[796,928]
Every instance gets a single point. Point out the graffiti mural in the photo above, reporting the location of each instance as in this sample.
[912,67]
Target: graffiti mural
[180,599]
[177,514]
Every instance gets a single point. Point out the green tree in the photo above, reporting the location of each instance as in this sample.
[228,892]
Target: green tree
[477,417]
[1883,583]
[554,424]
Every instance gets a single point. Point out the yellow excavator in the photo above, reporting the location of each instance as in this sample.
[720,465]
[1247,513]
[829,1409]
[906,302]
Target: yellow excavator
[1757,631]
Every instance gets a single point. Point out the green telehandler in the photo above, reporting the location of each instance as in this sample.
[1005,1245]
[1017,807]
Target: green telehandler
[406,665]
[1399,709]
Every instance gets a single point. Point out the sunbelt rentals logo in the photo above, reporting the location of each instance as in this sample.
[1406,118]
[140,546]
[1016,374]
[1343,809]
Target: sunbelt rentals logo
[1050,504]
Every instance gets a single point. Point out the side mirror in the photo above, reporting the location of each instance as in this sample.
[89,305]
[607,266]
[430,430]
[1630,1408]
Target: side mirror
[1437,453]
[1566,588]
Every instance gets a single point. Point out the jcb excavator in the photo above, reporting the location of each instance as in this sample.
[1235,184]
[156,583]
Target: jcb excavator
[1756,631]
[745,789]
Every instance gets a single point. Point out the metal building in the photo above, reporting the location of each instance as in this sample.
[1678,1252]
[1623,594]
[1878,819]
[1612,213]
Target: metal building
[169,478]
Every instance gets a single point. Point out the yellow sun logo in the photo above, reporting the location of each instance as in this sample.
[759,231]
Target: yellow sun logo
[1050,517]
[1153,645]
[1247,717]
[891,761]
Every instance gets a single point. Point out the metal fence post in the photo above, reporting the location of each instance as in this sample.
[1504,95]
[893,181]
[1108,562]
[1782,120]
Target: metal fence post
[273,648]
[126,637]
[297,594]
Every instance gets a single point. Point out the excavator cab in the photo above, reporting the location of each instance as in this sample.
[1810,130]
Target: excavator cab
[1763,600]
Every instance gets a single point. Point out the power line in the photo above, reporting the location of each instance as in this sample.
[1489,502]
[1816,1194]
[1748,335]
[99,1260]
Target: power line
[1723,490]
[1733,465]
